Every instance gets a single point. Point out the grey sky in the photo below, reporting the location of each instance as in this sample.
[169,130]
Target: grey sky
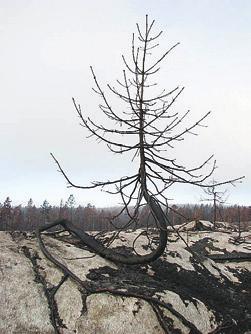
[46,50]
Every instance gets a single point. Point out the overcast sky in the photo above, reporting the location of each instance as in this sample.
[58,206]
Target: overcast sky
[46,50]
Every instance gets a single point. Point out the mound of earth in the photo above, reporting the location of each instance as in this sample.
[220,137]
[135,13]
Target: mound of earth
[201,284]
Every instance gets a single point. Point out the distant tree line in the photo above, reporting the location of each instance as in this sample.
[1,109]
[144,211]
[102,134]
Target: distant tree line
[90,218]
[232,214]
[29,217]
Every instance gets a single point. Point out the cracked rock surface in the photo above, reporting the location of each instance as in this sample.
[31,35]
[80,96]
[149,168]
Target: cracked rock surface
[214,297]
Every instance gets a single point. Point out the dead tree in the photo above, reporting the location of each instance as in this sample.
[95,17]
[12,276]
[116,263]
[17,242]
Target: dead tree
[217,197]
[147,128]
[153,129]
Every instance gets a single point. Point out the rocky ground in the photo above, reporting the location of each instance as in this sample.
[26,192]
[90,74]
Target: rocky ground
[201,284]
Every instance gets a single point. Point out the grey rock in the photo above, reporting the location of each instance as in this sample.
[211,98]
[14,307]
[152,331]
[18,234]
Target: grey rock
[27,278]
